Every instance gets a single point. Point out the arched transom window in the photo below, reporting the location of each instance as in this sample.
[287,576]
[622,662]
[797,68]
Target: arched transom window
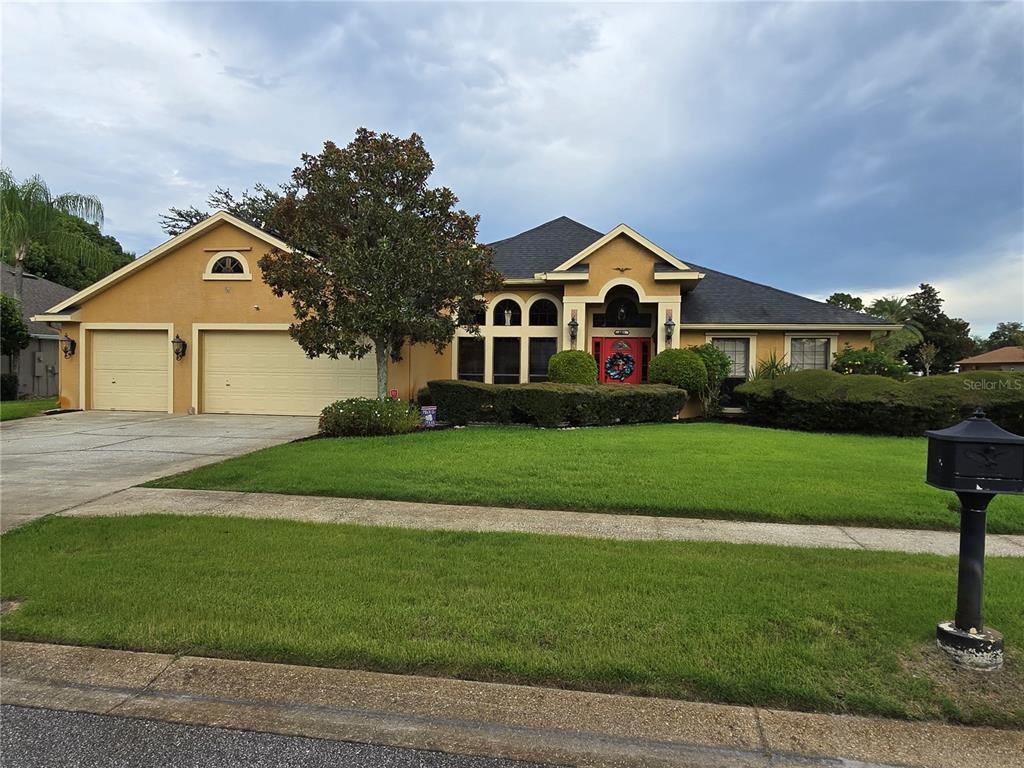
[227,265]
[543,312]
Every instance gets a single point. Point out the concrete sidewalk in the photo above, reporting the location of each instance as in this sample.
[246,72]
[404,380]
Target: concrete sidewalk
[405,514]
[486,719]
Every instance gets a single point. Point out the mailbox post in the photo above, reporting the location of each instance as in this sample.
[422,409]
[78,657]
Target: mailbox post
[977,460]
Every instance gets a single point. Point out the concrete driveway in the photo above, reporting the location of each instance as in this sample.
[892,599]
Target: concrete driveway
[52,463]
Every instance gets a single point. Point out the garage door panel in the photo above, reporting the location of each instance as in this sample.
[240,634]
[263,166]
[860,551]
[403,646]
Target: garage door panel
[129,370]
[267,372]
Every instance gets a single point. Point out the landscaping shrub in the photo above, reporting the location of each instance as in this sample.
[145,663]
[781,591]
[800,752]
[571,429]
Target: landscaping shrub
[423,397]
[719,366]
[553,404]
[9,386]
[572,366]
[681,368]
[825,401]
[364,417]
[872,362]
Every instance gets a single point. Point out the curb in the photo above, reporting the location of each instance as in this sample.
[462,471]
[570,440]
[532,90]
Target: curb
[473,718]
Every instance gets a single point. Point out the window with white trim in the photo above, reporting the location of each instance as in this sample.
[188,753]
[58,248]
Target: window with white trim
[470,350]
[807,353]
[738,351]
[506,360]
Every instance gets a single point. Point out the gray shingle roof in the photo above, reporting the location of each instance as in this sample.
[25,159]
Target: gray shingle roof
[38,295]
[542,248]
[718,298]
[722,298]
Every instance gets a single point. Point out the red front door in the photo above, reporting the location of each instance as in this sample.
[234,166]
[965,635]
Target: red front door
[620,361]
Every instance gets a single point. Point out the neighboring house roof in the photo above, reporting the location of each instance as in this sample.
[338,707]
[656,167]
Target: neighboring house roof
[996,356]
[38,295]
[717,298]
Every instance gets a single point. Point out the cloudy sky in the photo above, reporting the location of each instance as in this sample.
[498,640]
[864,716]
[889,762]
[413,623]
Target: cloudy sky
[817,147]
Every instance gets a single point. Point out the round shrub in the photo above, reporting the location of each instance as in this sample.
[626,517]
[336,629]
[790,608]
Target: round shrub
[365,417]
[423,397]
[682,368]
[573,366]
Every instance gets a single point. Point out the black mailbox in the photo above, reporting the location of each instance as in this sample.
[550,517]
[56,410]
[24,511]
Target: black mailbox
[977,460]
[976,456]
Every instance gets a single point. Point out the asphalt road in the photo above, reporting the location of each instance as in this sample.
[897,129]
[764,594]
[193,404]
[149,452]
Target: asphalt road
[46,738]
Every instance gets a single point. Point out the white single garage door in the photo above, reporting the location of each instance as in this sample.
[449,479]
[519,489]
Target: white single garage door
[129,370]
[267,372]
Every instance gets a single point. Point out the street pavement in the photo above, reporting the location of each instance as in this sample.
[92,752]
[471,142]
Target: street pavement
[46,738]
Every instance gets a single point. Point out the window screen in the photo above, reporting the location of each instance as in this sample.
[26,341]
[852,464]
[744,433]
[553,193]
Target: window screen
[541,351]
[471,359]
[809,353]
[506,361]
[738,351]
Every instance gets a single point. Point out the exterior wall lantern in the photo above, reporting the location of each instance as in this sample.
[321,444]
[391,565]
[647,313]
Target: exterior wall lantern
[68,346]
[976,460]
[179,345]
[574,329]
[670,327]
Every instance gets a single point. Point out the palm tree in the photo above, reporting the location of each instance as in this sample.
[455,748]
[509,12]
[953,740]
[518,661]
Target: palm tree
[28,212]
[896,309]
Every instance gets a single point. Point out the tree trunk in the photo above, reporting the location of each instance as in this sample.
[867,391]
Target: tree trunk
[19,282]
[380,349]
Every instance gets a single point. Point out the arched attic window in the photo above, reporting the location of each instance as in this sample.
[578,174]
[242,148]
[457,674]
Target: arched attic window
[507,312]
[227,265]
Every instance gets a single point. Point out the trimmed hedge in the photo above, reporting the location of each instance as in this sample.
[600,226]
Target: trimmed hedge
[552,405]
[572,366]
[825,401]
[682,368]
[367,417]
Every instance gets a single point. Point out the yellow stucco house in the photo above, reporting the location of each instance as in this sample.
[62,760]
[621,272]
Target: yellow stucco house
[190,327]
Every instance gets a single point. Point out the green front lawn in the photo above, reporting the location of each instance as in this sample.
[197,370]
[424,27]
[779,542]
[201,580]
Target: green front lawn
[19,409]
[825,630]
[681,470]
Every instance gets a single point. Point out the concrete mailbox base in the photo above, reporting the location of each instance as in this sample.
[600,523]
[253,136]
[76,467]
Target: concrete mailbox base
[980,651]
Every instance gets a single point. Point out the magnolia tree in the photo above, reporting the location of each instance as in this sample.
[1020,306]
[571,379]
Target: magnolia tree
[380,258]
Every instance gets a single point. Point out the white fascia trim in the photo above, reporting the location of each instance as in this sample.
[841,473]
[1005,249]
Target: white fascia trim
[691,275]
[161,250]
[798,329]
[562,276]
[47,317]
[532,281]
[631,233]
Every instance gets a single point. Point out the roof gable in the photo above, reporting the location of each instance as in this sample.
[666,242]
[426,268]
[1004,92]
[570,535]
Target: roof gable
[541,248]
[622,230]
[162,250]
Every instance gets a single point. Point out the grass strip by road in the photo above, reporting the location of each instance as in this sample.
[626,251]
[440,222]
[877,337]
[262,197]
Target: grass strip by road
[723,471]
[20,409]
[820,630]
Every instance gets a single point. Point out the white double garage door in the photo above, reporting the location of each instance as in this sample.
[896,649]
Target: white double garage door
[240,371]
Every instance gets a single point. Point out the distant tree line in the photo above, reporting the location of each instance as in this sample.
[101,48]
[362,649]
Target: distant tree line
[931,341]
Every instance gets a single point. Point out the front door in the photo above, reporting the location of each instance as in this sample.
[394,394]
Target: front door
[620,361]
